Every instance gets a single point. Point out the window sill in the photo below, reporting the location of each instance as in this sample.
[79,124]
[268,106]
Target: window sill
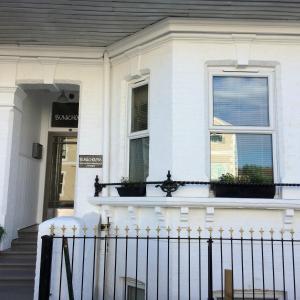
[196,202]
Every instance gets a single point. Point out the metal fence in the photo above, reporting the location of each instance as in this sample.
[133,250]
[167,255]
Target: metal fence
[183,263]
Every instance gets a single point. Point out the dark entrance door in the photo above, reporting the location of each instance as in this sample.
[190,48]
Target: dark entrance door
[61,174]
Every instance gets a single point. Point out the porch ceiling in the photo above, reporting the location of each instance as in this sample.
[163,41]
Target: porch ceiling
[99,23]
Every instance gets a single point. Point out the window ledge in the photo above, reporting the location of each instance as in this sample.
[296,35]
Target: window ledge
[194,202]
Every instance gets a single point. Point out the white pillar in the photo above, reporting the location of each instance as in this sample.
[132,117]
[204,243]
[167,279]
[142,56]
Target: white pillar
[106,121]
[11,99]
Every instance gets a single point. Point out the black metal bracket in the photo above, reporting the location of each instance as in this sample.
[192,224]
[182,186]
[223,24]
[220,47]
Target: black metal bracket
[169,186]
[98,186]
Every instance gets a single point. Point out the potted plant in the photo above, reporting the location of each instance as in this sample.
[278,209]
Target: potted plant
[252,185]
[131,189]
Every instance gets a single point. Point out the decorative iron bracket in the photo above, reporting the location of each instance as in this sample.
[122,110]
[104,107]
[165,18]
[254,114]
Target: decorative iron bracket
[98,186]
[169,186]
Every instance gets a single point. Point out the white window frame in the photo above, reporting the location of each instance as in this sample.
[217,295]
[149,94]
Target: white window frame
[130,282]
[249,293]
[137,134]
[271,129]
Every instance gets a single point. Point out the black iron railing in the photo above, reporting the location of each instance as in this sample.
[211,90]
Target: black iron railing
[184,263]
[170,186]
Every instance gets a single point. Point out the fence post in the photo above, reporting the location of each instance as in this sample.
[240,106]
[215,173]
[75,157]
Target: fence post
[45,268]
[210,269]
[228,285]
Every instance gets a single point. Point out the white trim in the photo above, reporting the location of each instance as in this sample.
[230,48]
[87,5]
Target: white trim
[199,29]
[194,202]
[50,52]
[259,294]
[137,134]
[271,129]
[131,282]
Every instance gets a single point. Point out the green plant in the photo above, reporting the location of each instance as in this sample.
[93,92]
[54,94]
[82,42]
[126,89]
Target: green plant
[127,182]
[249,174]
[2,232]
[227,178]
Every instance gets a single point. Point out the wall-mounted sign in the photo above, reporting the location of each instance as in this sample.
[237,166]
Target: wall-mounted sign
[64,115]
[90,161]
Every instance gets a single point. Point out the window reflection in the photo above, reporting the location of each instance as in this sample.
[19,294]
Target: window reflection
[240,101]
[139,159]
[244,156]
[139,108]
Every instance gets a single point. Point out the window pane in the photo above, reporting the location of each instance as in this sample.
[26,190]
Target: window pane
[131,293]
[139,110]
[240,101]
[247,156]
[139,159]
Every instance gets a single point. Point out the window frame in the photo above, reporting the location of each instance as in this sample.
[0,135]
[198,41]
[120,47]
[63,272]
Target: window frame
[268,130]
[137,134]
[130,282]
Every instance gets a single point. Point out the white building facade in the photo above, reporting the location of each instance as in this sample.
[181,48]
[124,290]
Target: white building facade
[180,70]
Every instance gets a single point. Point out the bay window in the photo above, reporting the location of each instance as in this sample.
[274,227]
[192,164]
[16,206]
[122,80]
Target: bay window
[241,132]
[138,134]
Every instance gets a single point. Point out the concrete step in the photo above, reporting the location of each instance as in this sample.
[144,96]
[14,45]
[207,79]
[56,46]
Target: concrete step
[31,242]
[17,281]
[17,265]
[13,259]
[28,235]
[14,292]
[15,252]
[24,247]
[25,274]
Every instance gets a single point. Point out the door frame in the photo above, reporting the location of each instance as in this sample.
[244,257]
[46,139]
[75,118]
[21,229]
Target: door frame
[51,134]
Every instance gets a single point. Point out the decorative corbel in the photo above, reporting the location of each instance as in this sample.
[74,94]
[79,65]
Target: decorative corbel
[49,68]
[132,213]
[288,218]
[209,216]
[160,214]
[184,214]
[243,48]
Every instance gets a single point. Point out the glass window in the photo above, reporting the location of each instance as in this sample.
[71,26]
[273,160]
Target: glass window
[139,108]
[138,136]
[139,159]
[241,136]
[140,293]
[243,155]
[240,101]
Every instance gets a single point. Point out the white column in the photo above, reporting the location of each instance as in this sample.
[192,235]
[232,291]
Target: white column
[11,99]
[106,121]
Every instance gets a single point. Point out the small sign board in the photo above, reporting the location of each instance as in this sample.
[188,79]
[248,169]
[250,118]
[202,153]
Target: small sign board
[64,115]
[90,161]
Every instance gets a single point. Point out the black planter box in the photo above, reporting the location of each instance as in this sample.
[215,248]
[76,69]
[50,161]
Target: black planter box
[244,191]
[132,191]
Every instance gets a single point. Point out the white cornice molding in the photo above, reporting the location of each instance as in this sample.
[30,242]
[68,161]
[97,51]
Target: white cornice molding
[8,89]
[51,52]
[193,202]
[14,97]
[217,30]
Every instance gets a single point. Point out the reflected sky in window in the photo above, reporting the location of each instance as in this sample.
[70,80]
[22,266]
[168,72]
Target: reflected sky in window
[240,101]
[254,149]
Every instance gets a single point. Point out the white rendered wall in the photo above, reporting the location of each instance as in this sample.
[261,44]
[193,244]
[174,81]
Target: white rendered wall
[88,75]
[82,67]
[177,68]
[29,168]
